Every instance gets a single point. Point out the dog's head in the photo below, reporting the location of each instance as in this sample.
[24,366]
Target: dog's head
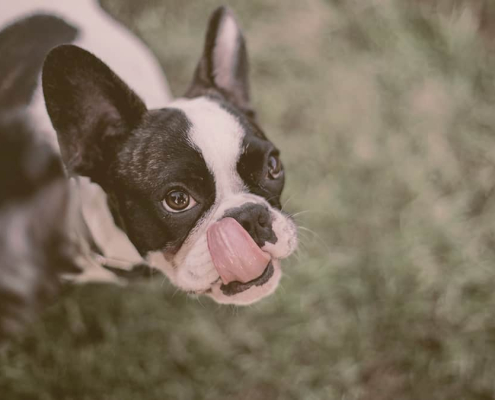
[195,185]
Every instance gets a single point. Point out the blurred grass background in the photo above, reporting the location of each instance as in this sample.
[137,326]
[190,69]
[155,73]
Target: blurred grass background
[385,114]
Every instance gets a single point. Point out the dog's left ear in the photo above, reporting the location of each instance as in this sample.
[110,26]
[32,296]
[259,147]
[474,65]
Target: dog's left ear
[224,63]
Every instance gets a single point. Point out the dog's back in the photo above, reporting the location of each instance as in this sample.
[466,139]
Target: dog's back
[33,243]
[33,191]
[30,28]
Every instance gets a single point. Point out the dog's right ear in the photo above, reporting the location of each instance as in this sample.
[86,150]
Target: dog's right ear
[90,107]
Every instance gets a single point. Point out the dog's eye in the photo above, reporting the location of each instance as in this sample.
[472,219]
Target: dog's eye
[274,167]
[177,201]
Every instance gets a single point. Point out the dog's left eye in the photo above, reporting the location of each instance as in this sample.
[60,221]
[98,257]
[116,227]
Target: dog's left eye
[177,201]
[274,166]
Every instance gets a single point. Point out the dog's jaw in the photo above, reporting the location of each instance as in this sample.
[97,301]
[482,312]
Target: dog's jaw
[193,271]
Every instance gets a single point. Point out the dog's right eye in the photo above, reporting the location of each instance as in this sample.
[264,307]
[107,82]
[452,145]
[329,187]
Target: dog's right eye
[177,201]
[274,167]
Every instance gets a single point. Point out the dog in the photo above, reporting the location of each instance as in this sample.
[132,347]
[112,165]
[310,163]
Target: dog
[190,186]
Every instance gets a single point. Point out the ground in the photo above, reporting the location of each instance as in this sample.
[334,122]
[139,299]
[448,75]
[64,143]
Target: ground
[384,113]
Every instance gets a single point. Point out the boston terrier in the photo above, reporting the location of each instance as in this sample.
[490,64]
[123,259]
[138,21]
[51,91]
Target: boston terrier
[190,186]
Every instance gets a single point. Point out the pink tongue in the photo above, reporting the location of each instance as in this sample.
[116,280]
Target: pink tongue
[234,253]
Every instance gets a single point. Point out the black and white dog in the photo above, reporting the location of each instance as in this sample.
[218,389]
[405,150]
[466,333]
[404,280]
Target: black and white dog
[190,186]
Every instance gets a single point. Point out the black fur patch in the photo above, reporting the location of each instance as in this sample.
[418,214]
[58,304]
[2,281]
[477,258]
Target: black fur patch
[253,169]
[90,107]
[137,156]
[23,47]
[155,159]
[25,166]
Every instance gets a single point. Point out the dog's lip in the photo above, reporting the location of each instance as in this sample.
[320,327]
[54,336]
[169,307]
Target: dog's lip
[236,287]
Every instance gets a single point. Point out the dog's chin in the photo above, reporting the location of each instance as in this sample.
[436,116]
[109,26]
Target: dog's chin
[247,293]
[233,293]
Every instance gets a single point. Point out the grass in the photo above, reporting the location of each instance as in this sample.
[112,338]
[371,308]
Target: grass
[384,112]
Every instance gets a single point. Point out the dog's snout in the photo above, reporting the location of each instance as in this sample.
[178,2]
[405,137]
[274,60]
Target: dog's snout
[256,220]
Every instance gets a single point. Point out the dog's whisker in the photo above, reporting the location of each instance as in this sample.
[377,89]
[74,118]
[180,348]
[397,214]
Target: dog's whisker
[310,211]
[297,214]
[175,292]
[199,301]
[303,236]
[287,201]
[316,235]
[300,252]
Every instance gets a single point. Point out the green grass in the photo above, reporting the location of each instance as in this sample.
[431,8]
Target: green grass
[385,115]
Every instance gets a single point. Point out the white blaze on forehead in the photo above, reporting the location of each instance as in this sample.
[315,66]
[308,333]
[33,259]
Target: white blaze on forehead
[218,136]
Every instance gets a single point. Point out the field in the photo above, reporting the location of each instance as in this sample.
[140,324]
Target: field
[385,115]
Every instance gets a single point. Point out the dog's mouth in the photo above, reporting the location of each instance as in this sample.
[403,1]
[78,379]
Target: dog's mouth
[237,270]
[239,261]
[236,287]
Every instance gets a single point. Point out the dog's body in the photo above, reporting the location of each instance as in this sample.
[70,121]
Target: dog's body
[35,27]
[171,178]
[34,219]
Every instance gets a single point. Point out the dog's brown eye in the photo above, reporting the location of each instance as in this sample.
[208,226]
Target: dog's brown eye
[274,167]
[177,201]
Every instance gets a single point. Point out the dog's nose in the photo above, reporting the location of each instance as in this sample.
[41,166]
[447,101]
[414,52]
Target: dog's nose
[256,220]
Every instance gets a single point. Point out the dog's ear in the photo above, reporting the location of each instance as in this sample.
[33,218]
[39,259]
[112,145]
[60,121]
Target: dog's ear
[224,63]
[90,107]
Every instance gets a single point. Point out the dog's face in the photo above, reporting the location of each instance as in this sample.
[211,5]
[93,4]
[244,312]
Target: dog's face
[196,185]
